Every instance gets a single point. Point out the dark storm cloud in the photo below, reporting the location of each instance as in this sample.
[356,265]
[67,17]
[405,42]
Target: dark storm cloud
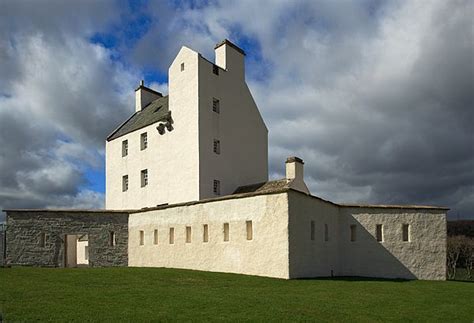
[375,96]
[401,127]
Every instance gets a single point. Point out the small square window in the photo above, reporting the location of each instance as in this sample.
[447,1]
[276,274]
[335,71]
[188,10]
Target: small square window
[226,231]
[216,105]
[112,241]
[249,228]
[182,67]
[124,148]
[215,69]
[42,240]
[217,187]
[188,234]
[124,183]
[217,146]
[155,237]
[144,177]
[205,233]
[379,232]
[353,232]
[143,141]
[171,235]
[406,232]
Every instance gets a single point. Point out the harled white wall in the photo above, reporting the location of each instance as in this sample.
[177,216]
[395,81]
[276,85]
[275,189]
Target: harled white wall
[423,257]
[172,159]
[243,136]
[312,258]
[181,164]
[265,255]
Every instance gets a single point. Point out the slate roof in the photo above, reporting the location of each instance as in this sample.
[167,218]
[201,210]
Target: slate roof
[265,187]
[155,111]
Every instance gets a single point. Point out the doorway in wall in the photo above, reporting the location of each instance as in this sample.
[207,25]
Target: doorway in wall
[76,250]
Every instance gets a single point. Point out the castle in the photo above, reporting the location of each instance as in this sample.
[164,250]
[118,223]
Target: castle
[187,187]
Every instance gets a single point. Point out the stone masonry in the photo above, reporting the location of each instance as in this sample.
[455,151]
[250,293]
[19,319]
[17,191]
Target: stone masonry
[2,233]
[25,227]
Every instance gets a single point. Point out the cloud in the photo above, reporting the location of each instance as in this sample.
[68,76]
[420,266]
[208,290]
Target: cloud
[60,96]
[376,97]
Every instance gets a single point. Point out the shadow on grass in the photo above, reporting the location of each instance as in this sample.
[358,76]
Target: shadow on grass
[460,280]
[358,278]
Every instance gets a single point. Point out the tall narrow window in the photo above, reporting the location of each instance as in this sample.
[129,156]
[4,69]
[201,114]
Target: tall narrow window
[144,177]
[353,232]
[215,69]
[42,240]
[124,183]
[406,232]
[112,241]
[205,233]
[217,146]
[142,237]
[171,235]
[249,228]
[124,148]
[326,232]
[155,237]
[182,67]
[143,141]
[226,231]
[312,230]
[216,105]
[86,252]
[379,232]
[217,187]
[188,234]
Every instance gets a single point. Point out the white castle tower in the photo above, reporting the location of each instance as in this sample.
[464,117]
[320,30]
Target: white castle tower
[204,139]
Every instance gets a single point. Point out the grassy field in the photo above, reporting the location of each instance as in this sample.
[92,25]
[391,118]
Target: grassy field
[144,294]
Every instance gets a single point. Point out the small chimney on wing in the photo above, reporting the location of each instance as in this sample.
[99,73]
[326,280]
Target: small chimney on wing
[295,174]
[144,96]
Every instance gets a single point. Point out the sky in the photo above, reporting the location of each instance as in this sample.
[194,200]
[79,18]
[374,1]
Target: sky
[377,97]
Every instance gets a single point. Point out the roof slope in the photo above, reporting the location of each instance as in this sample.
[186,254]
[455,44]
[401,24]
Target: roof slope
[265,187]
[155,111]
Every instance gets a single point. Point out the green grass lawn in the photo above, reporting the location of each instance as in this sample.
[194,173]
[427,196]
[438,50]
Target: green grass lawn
[144,294]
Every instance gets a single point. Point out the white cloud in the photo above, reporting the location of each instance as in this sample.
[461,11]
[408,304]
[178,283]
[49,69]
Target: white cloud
[61,95]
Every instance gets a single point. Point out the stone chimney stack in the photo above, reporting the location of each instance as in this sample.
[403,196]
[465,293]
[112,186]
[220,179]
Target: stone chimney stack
[144,96]
[295,174]
[230,58]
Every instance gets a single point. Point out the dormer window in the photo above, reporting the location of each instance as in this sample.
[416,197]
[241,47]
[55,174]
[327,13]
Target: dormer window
[215,69]
[215,105]
[143,141]
[124,148]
